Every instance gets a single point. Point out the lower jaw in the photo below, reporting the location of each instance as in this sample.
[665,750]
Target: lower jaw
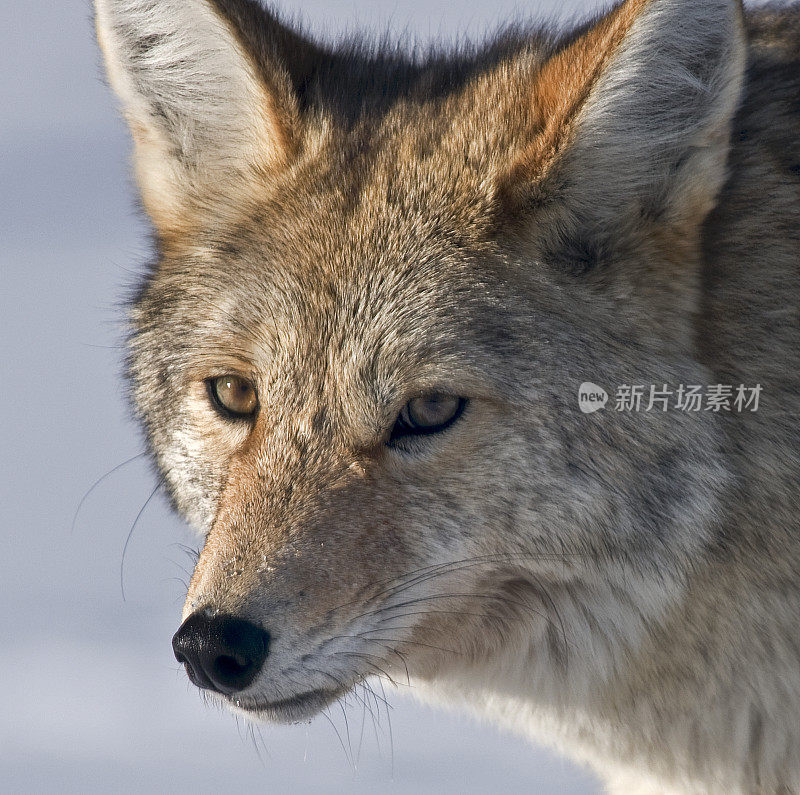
[290,710]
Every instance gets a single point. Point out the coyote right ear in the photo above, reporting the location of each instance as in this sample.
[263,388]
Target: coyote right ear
[635,115]
[205,103]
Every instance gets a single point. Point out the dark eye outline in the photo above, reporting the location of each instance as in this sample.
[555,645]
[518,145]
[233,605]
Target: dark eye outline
[221,408]
[403,429]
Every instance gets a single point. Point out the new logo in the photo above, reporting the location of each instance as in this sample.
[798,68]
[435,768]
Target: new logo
[591,397]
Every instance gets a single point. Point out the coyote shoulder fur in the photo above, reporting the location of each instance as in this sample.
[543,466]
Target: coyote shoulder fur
[380,281]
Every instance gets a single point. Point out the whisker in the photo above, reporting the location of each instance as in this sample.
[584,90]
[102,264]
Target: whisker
[360,698]
[363,722]
[426,573]
[382,641]
[261,737]
[182,569]
[413,643]
[179,580]
[389,721]
[376,718]
[130,533]
[398,653]
[252,733]
[462,613]
[485,596]
[347,731]
[191,552]
[490,597]
[366,657]
[338,682]
[97,483]
[327,717]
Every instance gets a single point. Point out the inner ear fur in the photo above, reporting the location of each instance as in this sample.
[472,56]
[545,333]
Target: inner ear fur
[208,95]
[632,119]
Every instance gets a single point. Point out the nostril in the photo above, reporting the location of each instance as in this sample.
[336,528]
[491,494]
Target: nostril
[221,653]
[231,667]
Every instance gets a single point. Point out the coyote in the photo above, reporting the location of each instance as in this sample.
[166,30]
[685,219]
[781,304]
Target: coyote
[381,279]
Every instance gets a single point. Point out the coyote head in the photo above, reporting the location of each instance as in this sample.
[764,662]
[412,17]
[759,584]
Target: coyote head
[379,283]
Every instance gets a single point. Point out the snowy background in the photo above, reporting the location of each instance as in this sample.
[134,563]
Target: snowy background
[93,700]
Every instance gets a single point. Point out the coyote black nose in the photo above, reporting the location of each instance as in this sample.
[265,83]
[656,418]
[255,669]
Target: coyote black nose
[221,652]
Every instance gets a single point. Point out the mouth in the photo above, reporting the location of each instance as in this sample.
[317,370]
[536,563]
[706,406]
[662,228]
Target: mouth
[290,710]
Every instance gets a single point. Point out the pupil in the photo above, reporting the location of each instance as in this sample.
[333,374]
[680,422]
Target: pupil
[431,411]
[430,408]
[235,394]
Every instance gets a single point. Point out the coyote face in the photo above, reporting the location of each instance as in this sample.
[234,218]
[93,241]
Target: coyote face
[343,273]
[379,285]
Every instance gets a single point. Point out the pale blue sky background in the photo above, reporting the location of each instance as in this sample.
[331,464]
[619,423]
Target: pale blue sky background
[92,698]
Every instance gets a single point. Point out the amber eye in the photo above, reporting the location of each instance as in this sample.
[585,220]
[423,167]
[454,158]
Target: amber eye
[233,396]
[427,415]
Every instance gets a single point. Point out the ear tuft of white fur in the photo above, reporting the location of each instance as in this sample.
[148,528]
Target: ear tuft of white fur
[661,112]
[195,102]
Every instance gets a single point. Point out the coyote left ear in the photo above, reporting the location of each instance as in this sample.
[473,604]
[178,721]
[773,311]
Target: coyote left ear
[205,104]
[634,116]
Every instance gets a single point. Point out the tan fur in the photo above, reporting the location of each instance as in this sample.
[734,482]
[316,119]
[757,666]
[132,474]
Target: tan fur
[564,84]
[620,204]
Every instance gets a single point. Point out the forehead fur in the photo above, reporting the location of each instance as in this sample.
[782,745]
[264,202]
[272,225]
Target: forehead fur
[428,136]
[395,182]
[332,285]
[365,222]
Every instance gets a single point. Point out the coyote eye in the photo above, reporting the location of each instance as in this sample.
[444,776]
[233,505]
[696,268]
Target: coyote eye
[233,396]
[427,415]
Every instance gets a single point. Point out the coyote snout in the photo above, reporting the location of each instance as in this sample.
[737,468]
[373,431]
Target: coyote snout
[225,655]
